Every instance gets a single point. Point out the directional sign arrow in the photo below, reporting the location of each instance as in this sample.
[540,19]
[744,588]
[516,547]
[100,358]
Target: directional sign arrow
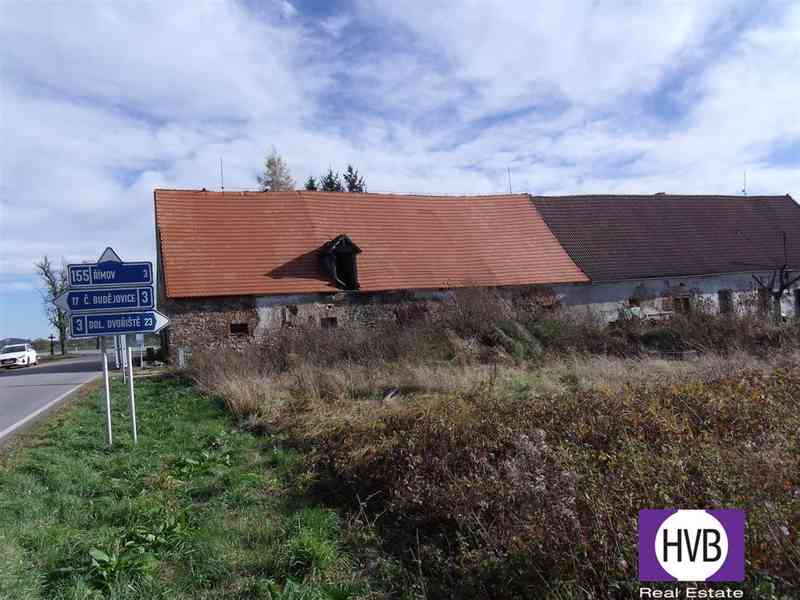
[116,323]
[95,299]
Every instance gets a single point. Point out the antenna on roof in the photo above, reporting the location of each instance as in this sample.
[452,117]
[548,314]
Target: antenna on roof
[508,170]
[221,175]
[744,185]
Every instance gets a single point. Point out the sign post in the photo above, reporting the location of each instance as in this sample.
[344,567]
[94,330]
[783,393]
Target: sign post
[107,386]
[112,298]
[131,398]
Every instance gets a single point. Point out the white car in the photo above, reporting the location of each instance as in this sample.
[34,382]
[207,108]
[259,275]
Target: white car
[17,355]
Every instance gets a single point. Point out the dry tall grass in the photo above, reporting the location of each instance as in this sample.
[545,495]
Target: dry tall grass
[506,452]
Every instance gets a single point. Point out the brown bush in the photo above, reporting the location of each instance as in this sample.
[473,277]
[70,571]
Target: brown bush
[503,494]
[524,480]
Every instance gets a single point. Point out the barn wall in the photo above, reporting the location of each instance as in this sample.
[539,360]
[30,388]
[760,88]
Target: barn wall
[656,295]
[206,323]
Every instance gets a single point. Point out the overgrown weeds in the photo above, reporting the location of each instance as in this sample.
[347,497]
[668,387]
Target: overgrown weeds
[504,451]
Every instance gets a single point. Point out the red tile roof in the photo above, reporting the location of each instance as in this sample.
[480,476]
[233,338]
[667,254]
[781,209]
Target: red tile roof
[259,243]
[633,237]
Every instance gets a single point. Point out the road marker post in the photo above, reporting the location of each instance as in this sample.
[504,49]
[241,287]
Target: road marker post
[107,386]
[131,397]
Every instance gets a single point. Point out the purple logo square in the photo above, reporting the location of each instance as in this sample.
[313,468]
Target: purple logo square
[691,545]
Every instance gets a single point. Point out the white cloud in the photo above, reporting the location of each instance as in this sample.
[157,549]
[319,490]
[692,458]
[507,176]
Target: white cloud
[104,102]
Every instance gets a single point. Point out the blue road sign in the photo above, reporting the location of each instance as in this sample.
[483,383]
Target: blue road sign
[110,273]
[123,298]
[92,325]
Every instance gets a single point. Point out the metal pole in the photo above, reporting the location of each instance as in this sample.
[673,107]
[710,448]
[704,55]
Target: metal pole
[131,398]
[123,354]
[109,440]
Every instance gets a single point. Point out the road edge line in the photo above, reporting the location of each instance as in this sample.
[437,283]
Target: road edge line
[9,430]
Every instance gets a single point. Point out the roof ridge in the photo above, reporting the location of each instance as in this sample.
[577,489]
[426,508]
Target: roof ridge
[662,195]
[349,194]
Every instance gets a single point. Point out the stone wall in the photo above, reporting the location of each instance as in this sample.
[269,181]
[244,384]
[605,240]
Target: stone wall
[661,295]
[208,323]
[212,323]
[344,308]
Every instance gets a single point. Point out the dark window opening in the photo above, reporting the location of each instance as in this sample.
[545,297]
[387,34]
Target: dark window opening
[682,305]
[346,270]
[725,302]
[328,322]
[338,261]
[797,304]
[634,301]
[239,329]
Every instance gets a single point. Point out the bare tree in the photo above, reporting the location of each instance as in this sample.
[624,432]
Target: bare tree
[54,283]
[276,176]
[780,281]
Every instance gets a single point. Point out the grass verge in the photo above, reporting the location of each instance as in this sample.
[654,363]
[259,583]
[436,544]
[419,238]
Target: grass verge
[199,509]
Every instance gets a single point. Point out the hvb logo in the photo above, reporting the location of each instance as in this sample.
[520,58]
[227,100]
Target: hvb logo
[691,545]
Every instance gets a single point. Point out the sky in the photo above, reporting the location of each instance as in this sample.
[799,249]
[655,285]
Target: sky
[101,102]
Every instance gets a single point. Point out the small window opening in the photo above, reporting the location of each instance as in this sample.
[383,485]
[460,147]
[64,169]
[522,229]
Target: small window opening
[682,305]
[725,302]
[328,322]
[240,329]
[634,301]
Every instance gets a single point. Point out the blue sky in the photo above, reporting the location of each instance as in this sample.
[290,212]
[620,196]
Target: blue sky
[104,101]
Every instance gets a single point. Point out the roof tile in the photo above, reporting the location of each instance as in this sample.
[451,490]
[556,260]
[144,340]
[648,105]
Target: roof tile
[633,237]
[259,243]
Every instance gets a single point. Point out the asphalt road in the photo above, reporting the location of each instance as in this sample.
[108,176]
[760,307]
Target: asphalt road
[27,393]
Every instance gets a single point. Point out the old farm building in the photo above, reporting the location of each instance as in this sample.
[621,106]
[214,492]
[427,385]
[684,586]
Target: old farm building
[238,264]
[663,253]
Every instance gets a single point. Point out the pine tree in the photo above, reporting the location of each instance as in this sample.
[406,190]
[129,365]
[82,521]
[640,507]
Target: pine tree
[354,182]
[331,182]
[311,184]
[276,176]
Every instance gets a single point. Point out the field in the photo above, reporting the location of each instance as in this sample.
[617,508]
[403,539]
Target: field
[491,451]
[505,453]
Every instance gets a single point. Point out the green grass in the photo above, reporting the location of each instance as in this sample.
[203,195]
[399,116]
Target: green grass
[199,509]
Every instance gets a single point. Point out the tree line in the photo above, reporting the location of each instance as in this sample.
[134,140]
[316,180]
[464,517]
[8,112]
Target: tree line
[276,177]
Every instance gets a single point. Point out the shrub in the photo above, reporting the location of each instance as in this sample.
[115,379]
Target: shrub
[500,494]
[524,480]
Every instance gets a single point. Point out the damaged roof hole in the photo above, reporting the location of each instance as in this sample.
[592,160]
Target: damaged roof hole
[338,261]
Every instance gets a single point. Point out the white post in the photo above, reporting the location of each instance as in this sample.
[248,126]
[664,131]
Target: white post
[109,440]
[123,354]
[131,398]
[116,352]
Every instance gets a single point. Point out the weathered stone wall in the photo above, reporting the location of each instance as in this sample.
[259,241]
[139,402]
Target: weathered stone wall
[206,323]
[659,295]
[345,308]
